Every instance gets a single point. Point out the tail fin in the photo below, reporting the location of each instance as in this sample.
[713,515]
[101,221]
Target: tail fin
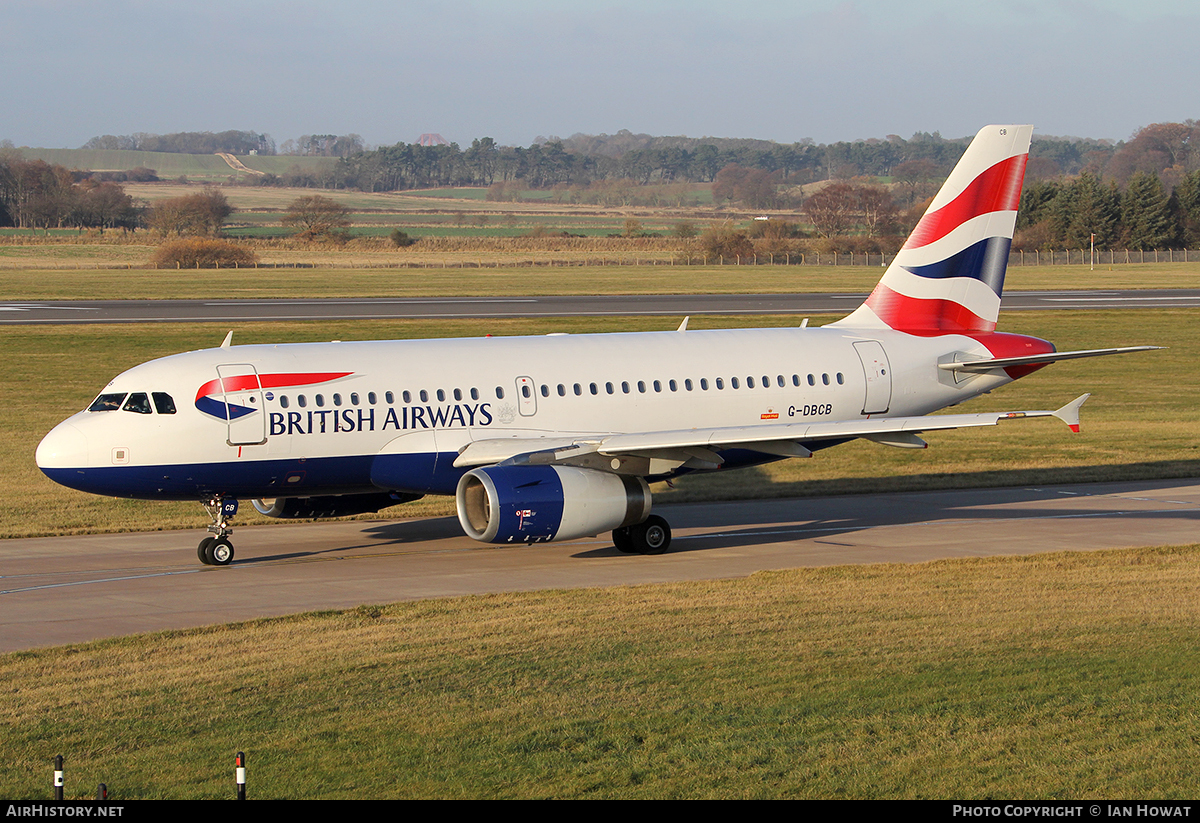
[949,275]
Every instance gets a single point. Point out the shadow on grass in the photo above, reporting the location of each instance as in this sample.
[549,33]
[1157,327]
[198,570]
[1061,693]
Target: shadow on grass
[755,484]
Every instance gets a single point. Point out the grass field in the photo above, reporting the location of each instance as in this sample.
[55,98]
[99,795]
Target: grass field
[1064,676]
[1141,422]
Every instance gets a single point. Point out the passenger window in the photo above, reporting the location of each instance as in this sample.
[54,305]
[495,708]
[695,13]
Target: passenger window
[733,382]
[766,384]
[720,383]
[795,380]
[458,394]
[704,384]
[687,384]
[578,389]
[389,397]
[525,390]
[593,388]
[499,393]
[320,398]
[545,390]
[337,400]
[811,381]
[781,382]
[371,398]
[163,402]
[608,387]
[658,385]
[840,379]
[283,401]
[562,390]
[625,386]
[424,396]
[137,402]
[441,396]
[825,379]
[749,382]
[474,393]
[302,401]
[642,386]
[673,385]
[107,402]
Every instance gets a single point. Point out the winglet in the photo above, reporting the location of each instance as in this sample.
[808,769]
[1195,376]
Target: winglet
[683,325]
[1069,413]
[228,340]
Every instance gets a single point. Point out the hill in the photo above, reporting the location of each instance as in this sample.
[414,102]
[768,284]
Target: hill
[199,167]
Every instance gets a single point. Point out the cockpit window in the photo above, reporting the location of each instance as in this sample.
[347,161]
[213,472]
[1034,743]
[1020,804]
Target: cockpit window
[107,402]
[163,403]
[137,402]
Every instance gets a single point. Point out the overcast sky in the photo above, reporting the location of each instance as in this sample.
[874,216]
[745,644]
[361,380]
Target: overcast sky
[520,69]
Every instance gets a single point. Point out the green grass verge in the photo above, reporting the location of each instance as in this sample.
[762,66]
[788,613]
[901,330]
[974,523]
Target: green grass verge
[1139,424]
[1065,676]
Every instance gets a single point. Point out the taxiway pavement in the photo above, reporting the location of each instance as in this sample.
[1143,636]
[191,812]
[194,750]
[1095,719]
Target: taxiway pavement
[35,312]
[59,590]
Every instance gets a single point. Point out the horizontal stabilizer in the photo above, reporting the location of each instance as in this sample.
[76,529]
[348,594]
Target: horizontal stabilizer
[1031,359]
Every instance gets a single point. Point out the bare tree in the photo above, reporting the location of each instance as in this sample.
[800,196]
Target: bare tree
[318,216]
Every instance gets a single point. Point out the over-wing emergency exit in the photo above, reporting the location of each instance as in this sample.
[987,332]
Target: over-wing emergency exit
[558,437]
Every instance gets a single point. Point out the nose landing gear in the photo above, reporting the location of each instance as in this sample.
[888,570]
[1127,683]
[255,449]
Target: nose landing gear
[217,550]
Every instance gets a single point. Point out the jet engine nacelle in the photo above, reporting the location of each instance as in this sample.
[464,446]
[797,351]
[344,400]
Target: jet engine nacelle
[332,505]
[535,504]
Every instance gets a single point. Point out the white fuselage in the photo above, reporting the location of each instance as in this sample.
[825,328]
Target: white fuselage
[313,418]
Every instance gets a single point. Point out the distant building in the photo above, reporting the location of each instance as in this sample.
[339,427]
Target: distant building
[432,140]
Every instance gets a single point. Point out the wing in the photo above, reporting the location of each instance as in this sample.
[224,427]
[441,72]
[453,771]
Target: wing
[651,453]
[987,365]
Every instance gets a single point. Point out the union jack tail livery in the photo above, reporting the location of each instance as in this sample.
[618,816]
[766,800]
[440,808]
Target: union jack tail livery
[948,277]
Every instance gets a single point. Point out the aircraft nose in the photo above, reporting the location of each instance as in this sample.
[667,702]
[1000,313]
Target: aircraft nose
[65,447]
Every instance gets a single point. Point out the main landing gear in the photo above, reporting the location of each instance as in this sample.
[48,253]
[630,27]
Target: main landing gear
[651,536]
[217,550]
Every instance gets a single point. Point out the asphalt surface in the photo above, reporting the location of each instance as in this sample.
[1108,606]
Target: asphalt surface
[72,589]
[232,311]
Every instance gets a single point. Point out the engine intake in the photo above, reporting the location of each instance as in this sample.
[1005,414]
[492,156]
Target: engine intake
[535,504]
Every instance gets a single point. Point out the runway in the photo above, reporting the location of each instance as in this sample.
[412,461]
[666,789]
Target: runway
[234,311]
[72,589]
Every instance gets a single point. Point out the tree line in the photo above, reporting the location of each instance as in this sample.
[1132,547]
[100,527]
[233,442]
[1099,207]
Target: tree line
[580,161]
[1072,213]
[36,194]
[188,142]
[231,142]
[1140,193]
[1144,194]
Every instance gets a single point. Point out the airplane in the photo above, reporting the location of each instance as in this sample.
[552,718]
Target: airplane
[557,437]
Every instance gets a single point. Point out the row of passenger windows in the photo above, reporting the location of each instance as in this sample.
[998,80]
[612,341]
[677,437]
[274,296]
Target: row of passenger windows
[354,399]
[137,402]
[703,384]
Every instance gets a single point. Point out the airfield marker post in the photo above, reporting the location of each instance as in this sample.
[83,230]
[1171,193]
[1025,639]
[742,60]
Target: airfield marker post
[102,792]
[240,775]
[58,777]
